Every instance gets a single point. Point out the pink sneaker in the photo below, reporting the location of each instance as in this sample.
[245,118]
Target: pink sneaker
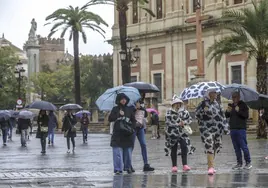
[186,168]
[266,158]
[174,169]
[211,171]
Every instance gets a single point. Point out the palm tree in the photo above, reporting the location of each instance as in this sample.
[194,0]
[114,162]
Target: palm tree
[249,33]
[76,19]
[122,7]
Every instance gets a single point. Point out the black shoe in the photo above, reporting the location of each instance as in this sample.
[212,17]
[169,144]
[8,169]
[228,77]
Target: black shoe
[49,142]
[237,167]
[148,168]
[248,166]
[132,169]
[43,152]
[118,172]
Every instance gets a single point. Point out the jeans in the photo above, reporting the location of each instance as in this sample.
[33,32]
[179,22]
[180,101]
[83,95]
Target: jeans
[68,142]
[4,135]
[43,141]
[10,132]
[140,133]
[184,151]
[51,136]
[85,132]
[122,158]
[239,139]
[154,131]
[23,137]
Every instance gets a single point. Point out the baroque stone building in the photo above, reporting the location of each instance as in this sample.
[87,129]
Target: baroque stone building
[168,45]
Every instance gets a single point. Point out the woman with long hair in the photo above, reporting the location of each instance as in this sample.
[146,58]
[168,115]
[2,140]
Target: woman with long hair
[69,129]
[42,130]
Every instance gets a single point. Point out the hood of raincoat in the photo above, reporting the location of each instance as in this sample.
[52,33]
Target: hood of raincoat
[121,96]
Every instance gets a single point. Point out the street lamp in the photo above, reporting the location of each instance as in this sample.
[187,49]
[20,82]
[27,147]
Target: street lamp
[132,54]
[19,74]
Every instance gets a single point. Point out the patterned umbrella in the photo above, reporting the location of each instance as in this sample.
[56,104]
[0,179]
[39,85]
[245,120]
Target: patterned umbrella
[198,90]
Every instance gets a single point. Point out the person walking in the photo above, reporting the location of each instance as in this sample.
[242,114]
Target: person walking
[212,125]
[42,130]
[238,113]
[52,124]
[4,125]
[84,124]
[12,123]
[69,129]
[155,125]
[23,126]
[122,137]
[264,116]
[176,118]
[140,115]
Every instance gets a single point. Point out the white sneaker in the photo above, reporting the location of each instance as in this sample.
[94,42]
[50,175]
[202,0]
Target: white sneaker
[68,151]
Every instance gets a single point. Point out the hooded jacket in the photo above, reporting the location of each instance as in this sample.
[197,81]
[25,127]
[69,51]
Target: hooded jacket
[118,139]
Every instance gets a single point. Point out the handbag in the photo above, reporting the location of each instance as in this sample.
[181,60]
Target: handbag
[43,129]
[66,133]
[73,129]
[125,128]
[187,129]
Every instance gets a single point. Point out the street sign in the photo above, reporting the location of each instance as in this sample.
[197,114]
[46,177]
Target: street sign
[19,102]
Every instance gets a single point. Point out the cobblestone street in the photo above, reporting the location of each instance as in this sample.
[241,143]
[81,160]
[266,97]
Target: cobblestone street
[91,166]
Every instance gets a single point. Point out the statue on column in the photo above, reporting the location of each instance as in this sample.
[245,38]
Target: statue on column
[32,33]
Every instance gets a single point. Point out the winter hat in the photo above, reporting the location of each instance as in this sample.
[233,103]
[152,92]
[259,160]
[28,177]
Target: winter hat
[176,100]
[210,90]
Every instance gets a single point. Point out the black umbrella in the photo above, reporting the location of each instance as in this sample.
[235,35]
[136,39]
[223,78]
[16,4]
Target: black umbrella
[71,107]
[144,87]
[261,103]
[42,105]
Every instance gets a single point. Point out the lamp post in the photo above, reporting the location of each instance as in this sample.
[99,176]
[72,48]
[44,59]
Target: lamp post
[19,74]
[132,55]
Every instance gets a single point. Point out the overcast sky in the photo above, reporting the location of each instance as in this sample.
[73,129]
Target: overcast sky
[16,16]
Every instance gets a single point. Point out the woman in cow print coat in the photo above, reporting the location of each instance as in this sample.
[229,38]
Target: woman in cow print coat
[176,118]
[212,124]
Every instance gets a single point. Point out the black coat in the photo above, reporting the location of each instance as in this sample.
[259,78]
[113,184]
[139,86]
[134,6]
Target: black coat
[42,120]
[24,124]
[155,119]
[69,122]
[4,124]
[118,139]
[238,120]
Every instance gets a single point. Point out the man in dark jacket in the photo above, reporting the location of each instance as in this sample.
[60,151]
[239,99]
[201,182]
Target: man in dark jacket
[4,125]
[238,114]
[23,126]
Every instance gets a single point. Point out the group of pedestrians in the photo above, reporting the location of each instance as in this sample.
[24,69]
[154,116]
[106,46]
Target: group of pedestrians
[129,123]
[212,125]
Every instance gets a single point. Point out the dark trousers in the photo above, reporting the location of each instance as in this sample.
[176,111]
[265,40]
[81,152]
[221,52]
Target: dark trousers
[184,151]
[85,132]
[4,135]
[239,139]
[43,141]
[68,142]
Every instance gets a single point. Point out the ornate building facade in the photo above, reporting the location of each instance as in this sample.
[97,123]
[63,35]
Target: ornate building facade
[168,45]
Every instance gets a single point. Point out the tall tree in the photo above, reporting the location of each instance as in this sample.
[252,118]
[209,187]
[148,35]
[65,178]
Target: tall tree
[249,33]
[77,20]
[8,82]
[122,7]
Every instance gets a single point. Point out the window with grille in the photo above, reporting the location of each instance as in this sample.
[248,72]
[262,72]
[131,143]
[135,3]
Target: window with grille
[236,74]
[159,9]
[158,83]
[238,1]
[133,79]
[135,15]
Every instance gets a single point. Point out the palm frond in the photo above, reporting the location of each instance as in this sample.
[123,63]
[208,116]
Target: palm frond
[84,36]
[57,13]
[56,25]
[64,31]
[51,33]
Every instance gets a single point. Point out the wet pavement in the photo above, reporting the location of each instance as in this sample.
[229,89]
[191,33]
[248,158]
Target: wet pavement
[91,166]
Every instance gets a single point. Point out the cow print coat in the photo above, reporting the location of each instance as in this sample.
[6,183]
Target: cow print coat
[212,125]
[175,132]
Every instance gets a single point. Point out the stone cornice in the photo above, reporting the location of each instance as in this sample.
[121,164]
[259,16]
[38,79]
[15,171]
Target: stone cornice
[212,23]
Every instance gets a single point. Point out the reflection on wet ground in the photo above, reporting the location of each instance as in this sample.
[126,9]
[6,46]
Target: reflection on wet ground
[91,166]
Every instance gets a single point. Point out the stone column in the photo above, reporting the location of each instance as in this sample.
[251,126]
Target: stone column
[115,66]
[168,71]
[95,116]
